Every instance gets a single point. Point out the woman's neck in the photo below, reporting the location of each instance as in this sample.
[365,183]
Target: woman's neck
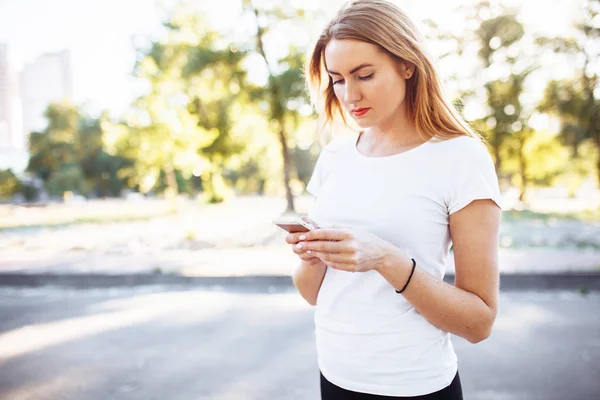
[400,130]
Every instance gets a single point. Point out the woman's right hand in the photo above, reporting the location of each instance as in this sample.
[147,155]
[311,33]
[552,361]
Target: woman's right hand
[293,239]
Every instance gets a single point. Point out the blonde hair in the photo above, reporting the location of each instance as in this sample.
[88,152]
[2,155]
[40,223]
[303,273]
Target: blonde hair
[385,25]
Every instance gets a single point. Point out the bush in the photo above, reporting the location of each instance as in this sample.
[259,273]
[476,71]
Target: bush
[68,178]
[31,193]
[9,183]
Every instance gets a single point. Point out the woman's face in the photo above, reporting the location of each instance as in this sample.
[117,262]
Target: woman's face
[369,83]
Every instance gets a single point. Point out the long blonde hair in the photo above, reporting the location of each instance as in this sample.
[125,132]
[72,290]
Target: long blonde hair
[383,24]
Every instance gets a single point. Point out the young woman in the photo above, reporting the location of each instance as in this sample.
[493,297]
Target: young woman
[390,202]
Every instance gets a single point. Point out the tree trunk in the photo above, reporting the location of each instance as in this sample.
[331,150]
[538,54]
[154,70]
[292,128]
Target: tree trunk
[277,110]
[171,181]
[286,169]
[522,171]
[597,137]
[589,84]
[496,150]
[215,188]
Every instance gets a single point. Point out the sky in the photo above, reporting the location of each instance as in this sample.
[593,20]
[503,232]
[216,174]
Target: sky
[100,35]
[97,33]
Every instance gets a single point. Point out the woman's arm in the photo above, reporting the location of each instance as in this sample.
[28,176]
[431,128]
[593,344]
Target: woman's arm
[467,309]
[311,271]
[308,278]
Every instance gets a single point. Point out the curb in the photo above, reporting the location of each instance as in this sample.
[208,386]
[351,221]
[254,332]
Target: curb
[582,281]
[94,281]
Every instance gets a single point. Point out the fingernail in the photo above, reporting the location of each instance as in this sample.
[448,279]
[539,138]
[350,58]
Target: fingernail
[302,237]
[299,246]
[309,251]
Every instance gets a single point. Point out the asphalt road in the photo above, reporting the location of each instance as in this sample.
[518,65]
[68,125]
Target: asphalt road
[171,344]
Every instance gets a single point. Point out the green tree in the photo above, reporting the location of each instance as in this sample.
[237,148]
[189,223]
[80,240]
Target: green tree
[499,81]
[55,145]
[72,138]
[184,123]
[508,126]
[496,34]
[69,178]
[576,101]
[285,84]
[100,169]
[9,184]
[218,84]
[106,176]
[203,116]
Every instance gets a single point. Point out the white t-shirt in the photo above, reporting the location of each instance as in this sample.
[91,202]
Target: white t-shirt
[369,338]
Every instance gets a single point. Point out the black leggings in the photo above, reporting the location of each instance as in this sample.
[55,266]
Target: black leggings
[329,391]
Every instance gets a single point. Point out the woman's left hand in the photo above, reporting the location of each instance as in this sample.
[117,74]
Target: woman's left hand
[346,249]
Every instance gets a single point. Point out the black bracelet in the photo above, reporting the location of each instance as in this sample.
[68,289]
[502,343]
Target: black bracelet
[411,274]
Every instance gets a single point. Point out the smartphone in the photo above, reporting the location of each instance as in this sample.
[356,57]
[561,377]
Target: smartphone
[293,225]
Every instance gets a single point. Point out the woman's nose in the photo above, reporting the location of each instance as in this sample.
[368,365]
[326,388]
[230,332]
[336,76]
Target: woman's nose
[352,94]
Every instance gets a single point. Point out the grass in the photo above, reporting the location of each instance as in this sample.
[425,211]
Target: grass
[190,235]
[586,216]
[87,220]
[578,245]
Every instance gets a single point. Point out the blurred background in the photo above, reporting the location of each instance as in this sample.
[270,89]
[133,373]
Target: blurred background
[136,133]
[173,115]
[163,137]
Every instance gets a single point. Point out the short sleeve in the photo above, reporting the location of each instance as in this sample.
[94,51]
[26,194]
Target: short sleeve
[472,176]
[318,176]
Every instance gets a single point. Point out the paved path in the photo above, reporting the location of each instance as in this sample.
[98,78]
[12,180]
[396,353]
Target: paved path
[202,344]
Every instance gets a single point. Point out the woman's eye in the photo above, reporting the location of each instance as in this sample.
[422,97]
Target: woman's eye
[362,78]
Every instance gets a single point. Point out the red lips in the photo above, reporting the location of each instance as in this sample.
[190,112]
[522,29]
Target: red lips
[358,112]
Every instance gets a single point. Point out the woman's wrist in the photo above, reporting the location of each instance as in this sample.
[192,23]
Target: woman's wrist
[315,263]
[395,268]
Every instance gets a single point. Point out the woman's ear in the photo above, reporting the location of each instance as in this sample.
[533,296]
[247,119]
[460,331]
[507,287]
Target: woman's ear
[407,69]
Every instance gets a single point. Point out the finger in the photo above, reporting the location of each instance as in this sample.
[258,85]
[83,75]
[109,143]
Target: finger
[297,250]
[329,234]
[291,238]
[326,246]
[310,221]
[294,238]
[303,254]
[334,257]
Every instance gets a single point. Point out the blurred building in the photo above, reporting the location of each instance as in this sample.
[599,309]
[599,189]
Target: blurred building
[24,99]
[13,154]
[6,139]
[48,79]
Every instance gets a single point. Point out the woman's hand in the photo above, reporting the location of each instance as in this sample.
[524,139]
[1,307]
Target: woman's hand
[293,239]
[346,249]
